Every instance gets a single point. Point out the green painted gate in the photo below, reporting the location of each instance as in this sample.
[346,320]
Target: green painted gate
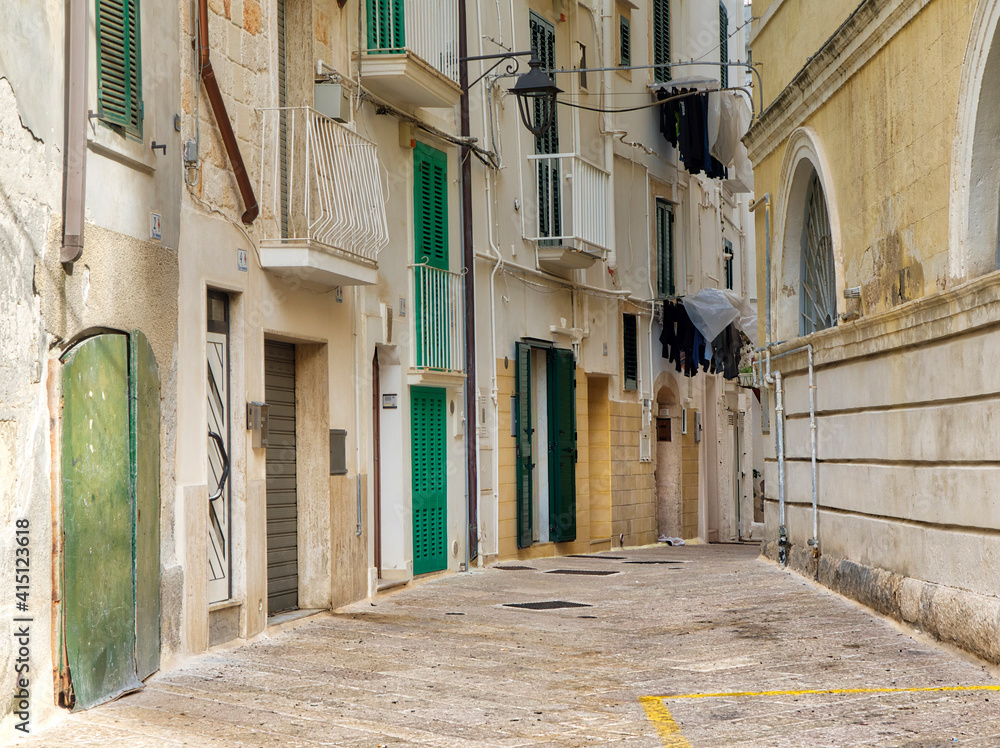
[110,489]
[430,480]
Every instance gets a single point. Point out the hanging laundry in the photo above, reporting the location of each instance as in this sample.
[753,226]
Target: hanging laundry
[684,123]
[727,348]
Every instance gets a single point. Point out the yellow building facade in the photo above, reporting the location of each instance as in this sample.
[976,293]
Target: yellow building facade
[876,150]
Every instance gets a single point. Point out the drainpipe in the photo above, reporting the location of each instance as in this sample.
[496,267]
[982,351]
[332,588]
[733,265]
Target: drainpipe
[814,540]
[766,201]
[607,14]
[469,263]
[222,117]
[75,135]
[779,418]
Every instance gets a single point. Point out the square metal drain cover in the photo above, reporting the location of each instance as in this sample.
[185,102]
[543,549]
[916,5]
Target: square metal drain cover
[546,605]
[584,572]
[515,568]
[655,562]
[596,558]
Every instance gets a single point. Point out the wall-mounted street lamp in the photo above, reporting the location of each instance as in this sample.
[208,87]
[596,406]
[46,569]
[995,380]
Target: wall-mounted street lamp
[535,90]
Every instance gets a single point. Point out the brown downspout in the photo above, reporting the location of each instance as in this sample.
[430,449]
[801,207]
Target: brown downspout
[222,117]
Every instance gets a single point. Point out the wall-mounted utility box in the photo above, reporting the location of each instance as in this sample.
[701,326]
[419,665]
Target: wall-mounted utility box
[333,100]
[338,452]
[257,423]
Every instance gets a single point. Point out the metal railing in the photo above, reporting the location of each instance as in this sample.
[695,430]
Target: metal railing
[321,182]
[425,28]
[570,202]
[438,319]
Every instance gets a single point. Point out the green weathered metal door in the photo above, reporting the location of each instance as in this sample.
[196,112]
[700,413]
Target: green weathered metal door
[430,480]
[524,428]
[110,491]
[562,445]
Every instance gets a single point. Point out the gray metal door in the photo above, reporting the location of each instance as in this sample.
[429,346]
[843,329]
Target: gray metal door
[282,510]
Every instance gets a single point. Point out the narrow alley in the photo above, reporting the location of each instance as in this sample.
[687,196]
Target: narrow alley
[735,646]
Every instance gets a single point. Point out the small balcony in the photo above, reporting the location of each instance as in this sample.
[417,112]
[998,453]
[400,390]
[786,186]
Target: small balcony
[322,200]
[437,326]
[570,203]
[411,55]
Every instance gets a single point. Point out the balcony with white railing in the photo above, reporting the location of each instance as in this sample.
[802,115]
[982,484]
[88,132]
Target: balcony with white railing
[567,207]
[437,326]
[411,51]
[322,200]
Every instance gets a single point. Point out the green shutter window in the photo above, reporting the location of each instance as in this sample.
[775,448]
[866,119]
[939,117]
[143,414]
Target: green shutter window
[543,42]
[723,45]
[119,66]
[625,41]
[386,27]
[430,203]
[630,352]
[661,40]
[522,442]
[430,479]
[562,445]
[665,248]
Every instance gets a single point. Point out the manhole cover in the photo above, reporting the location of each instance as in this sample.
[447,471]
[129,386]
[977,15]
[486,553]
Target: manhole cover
[654,562]
[584,572]
[597,558]
[515,568]
[546,605]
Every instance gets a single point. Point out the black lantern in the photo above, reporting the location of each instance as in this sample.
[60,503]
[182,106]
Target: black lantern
[536,97]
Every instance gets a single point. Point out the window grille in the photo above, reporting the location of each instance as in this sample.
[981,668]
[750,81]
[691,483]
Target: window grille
[819,300]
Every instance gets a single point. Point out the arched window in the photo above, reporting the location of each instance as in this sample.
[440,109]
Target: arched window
[818,295]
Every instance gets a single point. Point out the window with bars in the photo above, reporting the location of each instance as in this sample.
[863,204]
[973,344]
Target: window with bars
[119,66]
[665,249]
[723,45]
[624,42]
[661,40]
[630,352]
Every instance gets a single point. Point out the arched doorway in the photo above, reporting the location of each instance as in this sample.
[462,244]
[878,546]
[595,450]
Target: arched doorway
[668,455]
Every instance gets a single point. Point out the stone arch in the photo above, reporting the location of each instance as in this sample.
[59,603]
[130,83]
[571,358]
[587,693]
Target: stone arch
[974,203]
[667,456]
[804,158]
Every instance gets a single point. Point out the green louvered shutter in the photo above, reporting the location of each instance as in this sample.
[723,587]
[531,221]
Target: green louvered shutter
[430,479]
[119,65]
[522,416]
[386,26]
[630,352]
[562,446]
[723,45]
[430,198]
[665,248]
[661,40]
[625,41]
[543,42]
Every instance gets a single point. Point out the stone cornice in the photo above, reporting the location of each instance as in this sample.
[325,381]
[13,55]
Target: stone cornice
[869,28]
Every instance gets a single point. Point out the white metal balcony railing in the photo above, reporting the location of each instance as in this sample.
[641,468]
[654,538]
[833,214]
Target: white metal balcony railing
[425,28]
[571,199]
[438,319]
[321,182]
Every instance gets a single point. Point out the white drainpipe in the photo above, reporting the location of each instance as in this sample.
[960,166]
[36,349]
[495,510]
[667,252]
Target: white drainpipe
[779,418]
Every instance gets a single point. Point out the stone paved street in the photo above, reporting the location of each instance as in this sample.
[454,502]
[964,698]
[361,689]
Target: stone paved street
[444,664]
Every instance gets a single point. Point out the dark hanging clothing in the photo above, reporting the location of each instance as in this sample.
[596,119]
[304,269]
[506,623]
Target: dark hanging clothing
[684,123]
[726,349]
[686,348]
[669,117]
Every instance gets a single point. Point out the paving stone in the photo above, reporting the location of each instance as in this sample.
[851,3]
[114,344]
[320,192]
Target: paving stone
[406,671]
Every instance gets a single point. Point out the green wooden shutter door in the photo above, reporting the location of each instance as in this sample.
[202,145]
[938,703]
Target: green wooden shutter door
[625,41]
[562,445]
[144,397]
[543,41]
[522,416]
[661,39]
[723,45]
[119,65]
[98,512]
[430,202]
[386,26]
[665,248]
[430,479]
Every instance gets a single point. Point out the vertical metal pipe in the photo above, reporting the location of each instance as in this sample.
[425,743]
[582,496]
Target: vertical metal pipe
[779,417]
[469,263]
[814,541]
[75,135]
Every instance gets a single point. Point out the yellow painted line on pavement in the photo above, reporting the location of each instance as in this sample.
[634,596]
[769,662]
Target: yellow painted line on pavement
[670,732]
[804,692]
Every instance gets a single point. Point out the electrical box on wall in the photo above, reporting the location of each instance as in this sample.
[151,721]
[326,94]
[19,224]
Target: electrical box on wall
[333,100]
[338,452]
[257,423]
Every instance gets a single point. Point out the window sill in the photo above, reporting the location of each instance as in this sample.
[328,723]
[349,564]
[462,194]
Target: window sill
[109,144]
